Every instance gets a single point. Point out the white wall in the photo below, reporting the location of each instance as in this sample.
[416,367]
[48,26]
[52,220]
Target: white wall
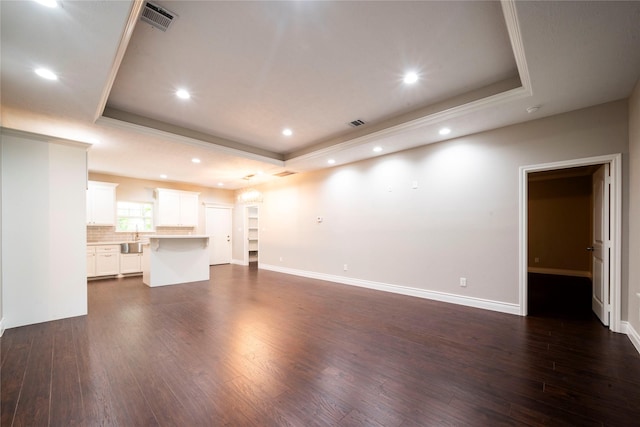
[43,231]
[461,221]
[634,212]
[1,191]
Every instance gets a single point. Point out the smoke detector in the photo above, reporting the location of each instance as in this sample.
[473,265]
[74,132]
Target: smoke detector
[157,16]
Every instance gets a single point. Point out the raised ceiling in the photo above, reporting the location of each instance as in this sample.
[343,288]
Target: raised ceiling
[255,68]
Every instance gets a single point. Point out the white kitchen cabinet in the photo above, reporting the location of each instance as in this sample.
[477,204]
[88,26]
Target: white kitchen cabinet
[101,203]
[176,208]
[91,261]
[107,260]
[130,263]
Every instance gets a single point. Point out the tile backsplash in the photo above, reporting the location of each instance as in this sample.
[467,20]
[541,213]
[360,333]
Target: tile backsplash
[108,234]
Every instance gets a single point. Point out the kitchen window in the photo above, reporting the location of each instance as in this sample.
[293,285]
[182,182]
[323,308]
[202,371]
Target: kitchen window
[135,217]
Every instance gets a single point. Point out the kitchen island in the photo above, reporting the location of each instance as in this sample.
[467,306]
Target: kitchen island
[171,260]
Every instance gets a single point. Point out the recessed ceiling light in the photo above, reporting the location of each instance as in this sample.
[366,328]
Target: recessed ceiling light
[410,78]
[444,131]
[221,184]
[45,73]
[183,94]
[195,160]
[287,132]
[163,176]
[533,109]
[377,149]
[331,161]
[48,3]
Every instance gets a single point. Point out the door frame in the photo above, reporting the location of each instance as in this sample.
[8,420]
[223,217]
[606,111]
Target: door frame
[615,224]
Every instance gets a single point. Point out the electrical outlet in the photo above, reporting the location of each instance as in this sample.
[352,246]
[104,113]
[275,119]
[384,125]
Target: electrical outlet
[280,259]
[345,267]
[463,282]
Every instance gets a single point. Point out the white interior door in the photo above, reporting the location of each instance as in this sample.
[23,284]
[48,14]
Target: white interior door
[218,228]
[600,244]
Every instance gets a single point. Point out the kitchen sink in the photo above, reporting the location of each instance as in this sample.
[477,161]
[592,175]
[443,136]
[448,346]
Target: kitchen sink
[131,248]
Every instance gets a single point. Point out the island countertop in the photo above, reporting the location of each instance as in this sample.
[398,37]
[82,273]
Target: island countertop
[179,236]
[175,259]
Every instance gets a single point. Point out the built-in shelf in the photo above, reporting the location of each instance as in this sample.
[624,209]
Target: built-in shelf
[252,235]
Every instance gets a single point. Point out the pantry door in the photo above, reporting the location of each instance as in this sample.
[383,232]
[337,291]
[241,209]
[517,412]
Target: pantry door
[218,228]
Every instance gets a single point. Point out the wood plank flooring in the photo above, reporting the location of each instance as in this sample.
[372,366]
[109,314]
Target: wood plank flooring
[258,348]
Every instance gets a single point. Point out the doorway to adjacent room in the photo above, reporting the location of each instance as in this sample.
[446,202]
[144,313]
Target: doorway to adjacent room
[570,239]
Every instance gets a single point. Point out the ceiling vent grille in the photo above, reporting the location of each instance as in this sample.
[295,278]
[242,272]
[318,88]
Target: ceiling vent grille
[283,174]
[156,16]
[356,123]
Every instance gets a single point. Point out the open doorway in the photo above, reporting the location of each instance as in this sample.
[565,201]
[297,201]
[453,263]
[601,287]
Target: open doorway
[560,229]
[579,266]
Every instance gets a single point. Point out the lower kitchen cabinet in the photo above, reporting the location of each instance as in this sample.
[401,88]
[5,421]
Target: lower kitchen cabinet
[91,261]
[130,263]
[107,261]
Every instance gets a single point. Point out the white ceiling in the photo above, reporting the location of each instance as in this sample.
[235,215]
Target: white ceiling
[254,68]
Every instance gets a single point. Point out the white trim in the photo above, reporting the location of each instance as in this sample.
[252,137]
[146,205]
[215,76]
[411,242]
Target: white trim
[211,146]
[485,304]
[615,272]
[515,36]
[634,337]
[132,20]
[239,262]
[560,272]
[43,138]
[438,117]
[1,326]
[218,205]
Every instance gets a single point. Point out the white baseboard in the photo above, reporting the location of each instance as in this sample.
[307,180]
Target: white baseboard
[1,326]
[502,307]
[559,272]
[633,335]
[239,262]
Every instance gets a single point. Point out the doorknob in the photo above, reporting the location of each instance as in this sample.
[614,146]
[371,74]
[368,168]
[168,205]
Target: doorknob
[590,248]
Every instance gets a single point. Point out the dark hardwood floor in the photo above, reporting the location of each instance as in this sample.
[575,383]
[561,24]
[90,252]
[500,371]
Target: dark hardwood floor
[559,296]
[258,348]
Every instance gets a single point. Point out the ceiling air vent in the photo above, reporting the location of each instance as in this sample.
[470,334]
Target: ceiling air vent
[356,123]
[283,174]
[156,16]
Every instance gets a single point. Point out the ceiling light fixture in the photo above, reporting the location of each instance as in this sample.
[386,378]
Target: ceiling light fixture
[331,161]
[48,3]
[183,94]
[287,132]
[221,184]
[195,160]
[444,131]
[377,149]
[533,109]
[45,73]
[410,78]
[249,195]
[163,176]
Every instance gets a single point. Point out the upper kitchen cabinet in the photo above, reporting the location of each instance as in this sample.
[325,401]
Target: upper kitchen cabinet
[101,203]
[176,208]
